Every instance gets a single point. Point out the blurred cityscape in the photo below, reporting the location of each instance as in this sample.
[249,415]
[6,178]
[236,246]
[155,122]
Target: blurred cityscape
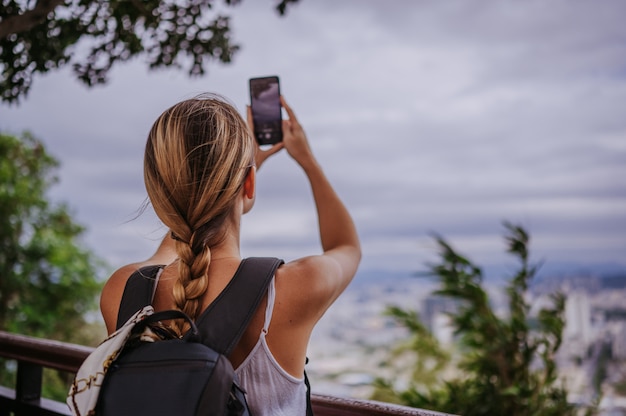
[355,337]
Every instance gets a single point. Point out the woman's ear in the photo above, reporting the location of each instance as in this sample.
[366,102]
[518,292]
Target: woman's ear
[249,189]
[249,184]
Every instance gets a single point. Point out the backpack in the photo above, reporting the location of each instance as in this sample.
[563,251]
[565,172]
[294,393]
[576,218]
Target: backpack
[143,368]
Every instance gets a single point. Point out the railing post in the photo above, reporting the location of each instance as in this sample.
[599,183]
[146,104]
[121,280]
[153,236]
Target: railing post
[5,408]
[28,383]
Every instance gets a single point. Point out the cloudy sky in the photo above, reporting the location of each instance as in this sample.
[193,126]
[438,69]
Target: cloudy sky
[428,116]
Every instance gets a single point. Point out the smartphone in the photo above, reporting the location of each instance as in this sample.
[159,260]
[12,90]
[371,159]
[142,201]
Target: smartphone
[266,109]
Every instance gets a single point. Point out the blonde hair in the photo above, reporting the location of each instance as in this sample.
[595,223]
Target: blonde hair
[196,159]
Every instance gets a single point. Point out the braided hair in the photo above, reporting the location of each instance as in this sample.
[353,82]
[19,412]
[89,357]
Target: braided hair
[196,159]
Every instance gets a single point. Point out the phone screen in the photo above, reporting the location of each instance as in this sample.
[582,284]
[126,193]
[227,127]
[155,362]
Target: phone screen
[266,109]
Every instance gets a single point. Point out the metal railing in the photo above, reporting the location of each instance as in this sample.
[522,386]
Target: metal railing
[35,354]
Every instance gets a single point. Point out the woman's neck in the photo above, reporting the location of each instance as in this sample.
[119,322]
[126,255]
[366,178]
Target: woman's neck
[228,247]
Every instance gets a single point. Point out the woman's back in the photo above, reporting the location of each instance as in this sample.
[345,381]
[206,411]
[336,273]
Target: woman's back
[200,181]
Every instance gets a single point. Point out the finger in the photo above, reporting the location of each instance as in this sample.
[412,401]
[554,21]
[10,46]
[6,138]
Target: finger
[275,148]
[262,155]
[290,113]
[286,126]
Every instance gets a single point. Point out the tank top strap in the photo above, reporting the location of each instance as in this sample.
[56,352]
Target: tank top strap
[271,296]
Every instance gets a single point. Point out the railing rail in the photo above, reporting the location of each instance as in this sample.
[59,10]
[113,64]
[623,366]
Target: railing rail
[34,354]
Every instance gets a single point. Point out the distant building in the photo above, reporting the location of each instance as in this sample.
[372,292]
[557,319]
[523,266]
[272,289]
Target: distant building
[435,314]
[618,333]
[578,331]
[442,328]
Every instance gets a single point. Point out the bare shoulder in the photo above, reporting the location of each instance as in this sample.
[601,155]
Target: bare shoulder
[112,294]
[308,269]
[308,286]
[114,287]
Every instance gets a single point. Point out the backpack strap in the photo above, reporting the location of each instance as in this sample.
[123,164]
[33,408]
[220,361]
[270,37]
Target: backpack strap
[225,320]
[138,292]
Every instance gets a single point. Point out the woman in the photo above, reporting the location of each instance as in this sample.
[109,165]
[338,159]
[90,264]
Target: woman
[200,173]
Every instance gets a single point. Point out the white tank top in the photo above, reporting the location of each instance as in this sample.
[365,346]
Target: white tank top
[271,390]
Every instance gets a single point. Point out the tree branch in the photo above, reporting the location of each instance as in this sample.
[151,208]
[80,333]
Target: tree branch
[26,21]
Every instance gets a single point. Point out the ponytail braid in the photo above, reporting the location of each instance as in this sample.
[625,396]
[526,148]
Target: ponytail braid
[196,161]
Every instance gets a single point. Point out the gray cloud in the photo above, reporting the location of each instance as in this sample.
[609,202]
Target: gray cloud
[443,117]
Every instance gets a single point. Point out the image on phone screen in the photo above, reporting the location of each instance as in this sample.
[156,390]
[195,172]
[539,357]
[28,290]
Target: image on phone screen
[266,109]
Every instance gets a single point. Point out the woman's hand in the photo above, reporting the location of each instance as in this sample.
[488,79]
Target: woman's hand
[261,155]
[294,138]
